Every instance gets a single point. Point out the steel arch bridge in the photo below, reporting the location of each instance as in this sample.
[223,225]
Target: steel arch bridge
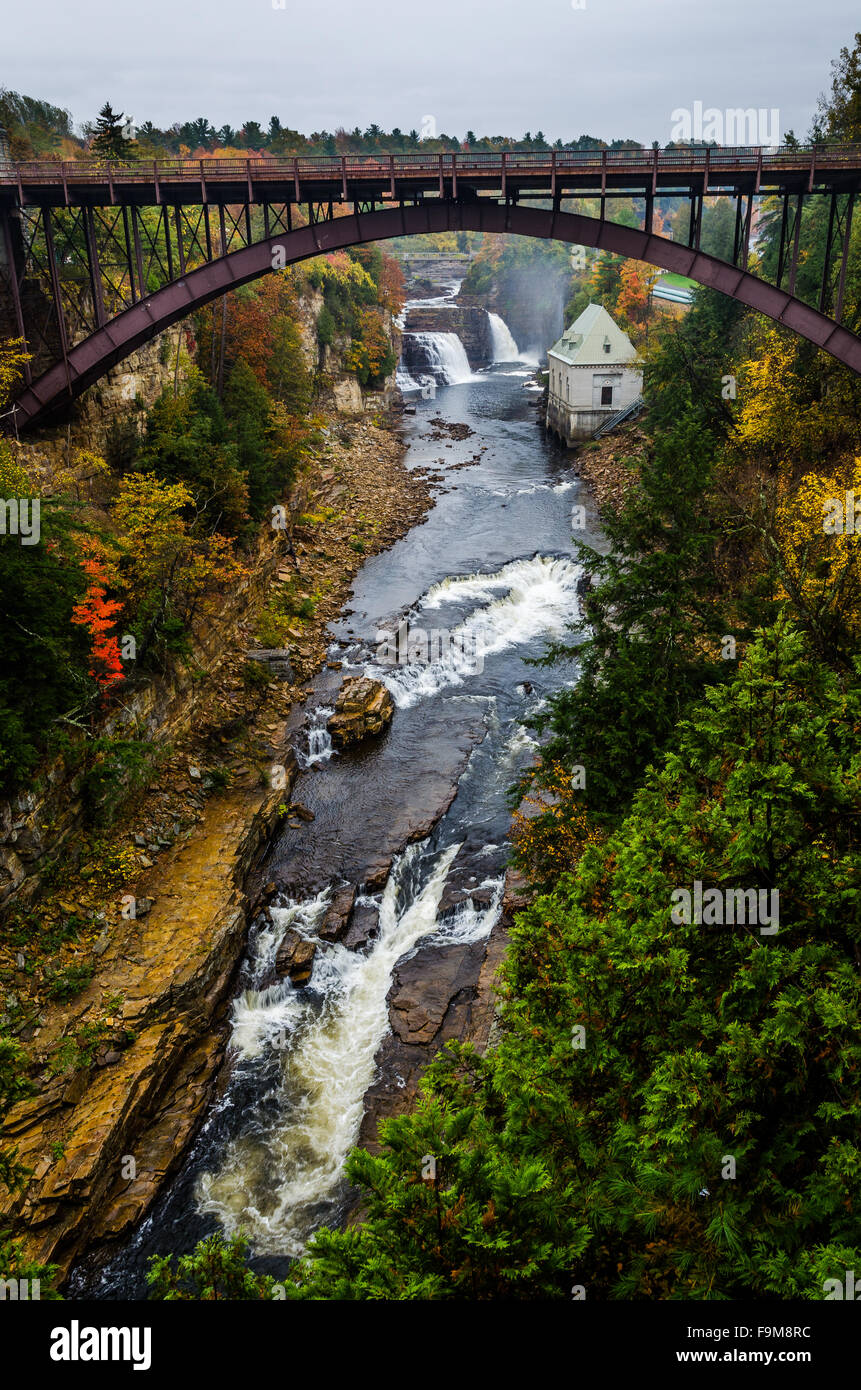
[96,260]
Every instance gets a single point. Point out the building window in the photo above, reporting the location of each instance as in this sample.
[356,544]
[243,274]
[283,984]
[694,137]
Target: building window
[567,390]
[606,395]
[607,344]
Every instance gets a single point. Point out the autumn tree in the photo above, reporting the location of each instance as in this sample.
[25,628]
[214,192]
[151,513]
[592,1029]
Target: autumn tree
[12,360]
[98,614]
[635,293]
[370,356]
[168,569]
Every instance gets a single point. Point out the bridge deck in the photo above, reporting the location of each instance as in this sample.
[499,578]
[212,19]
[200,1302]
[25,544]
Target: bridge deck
[358,177]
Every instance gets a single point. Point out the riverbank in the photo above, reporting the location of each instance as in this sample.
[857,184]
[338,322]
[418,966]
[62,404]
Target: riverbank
[611,466]
[123,1071]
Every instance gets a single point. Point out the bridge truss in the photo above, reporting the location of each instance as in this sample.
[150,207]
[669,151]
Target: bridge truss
[96,259]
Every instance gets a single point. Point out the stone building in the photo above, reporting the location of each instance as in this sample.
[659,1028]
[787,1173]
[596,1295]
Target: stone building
[593,372]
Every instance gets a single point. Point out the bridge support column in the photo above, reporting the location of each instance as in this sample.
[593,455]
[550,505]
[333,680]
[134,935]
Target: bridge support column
[13,270]
[56,293]
[746,238]
[826,263]
[784,231]
[796,240]
[94,268]
[847,233]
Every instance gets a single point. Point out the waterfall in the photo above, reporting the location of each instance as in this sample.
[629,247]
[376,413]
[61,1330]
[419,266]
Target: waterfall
[404,381]
[320,748]
[504,346]
[442,354]
[317,1047]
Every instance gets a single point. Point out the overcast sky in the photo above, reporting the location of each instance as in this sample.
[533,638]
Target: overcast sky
[613,68]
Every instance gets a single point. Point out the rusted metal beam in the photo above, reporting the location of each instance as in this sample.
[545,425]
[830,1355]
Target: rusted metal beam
[796,240]
[89,359]
[129,260]
[136,238]
[14,284]
[746,242]
[784,238]
[94,268]
[826,260]
[736,240]
[165,220]
[847,233]
[56,293]
[180,249]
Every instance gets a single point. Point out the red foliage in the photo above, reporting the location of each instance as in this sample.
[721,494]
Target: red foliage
[392,287]
[249,323]
[98,615]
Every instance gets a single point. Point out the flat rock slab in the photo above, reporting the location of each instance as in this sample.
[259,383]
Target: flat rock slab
[432,999]
[372,801]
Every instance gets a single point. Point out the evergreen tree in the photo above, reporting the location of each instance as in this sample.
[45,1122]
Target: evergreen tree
[654,618]
[109,142]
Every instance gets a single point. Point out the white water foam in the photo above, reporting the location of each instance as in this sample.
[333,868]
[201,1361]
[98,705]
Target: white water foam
[522,601]
[275,1177]
[470,921]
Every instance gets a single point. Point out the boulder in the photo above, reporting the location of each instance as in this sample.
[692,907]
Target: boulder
[276,660]
[363,708]
[334,923]
[364,924]
[295,957]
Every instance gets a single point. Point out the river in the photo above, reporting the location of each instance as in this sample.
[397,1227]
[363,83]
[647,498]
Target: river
[493,569]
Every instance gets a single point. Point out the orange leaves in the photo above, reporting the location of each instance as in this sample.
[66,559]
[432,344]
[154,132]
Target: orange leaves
[97,614]
[392,290]
[634,296]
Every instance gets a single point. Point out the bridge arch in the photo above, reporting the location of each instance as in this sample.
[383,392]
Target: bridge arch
[92,357]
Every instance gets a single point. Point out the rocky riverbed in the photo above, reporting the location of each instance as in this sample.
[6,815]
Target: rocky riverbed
[123,1072]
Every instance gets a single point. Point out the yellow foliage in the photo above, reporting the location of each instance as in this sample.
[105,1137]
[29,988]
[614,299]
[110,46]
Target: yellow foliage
[775,412]
[821,570]
[12,359]
[14,480]
[158,552]
[550,829]
[85,466]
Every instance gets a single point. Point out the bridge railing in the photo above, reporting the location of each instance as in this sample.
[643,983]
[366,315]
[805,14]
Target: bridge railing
[406,165]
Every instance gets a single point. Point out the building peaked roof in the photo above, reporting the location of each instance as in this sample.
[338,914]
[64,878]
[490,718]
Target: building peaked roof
[585,342]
